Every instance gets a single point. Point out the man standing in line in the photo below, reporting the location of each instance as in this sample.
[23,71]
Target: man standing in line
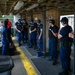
[18,31]
[33,34]
[66,43]
[40,35]
[53,41]
[24,31]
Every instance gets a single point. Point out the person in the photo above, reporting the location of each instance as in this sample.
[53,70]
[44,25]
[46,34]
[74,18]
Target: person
[9,25]
[6,43]
[24,31]
[65,49]
[53,41]
[40,35]
[33,34]
[18,31]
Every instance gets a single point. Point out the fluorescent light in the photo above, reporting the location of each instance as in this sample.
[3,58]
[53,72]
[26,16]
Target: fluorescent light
[32,7]
[18,5]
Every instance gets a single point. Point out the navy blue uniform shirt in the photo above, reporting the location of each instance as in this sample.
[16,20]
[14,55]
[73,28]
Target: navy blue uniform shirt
[25,25]
[18,25]
[39,28]
[55,30]
[33,26]
[65,33]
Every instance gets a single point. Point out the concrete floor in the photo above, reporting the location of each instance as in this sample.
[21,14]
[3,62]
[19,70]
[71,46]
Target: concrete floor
[41,65]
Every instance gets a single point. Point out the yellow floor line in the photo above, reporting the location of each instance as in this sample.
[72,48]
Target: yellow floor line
[27,65]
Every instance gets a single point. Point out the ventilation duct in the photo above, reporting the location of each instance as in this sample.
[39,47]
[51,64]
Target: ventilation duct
[19,5]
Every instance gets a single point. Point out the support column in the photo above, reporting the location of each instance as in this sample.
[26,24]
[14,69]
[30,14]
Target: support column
[74,42]
[31,16]
[44,28]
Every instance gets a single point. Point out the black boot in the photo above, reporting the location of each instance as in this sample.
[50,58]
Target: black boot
[64,73]
[55,62]
[19,44]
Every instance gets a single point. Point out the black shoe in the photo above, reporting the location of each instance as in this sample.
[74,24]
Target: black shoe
[70,70]
[54,62]
[63,73]
[50,59]
[38,50]
[35,47]
[19,44]
[23,42]
[30,46]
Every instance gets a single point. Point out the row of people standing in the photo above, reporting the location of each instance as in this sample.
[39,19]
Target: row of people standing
[36,34]
[54,34]
[66,41]
[21,31]
[33,29]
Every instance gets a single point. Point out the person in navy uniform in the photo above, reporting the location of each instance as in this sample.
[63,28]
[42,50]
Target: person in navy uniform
[40,35]
[33,34]
[65,49]
[24,31]
[53,41]
[6,42]
[18,31]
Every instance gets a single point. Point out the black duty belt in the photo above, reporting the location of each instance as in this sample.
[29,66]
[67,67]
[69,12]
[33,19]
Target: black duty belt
[66,44]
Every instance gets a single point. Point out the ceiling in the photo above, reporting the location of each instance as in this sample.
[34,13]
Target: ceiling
[7,6]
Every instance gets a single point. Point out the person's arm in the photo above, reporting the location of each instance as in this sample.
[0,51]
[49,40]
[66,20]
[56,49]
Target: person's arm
[35,28]
[60,34]
[40,33]
[17,28]
[55,34]
[55,31]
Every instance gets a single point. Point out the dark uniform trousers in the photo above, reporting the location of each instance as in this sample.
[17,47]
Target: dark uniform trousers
[65,52]
[53,48]
[33,39]
[40,43]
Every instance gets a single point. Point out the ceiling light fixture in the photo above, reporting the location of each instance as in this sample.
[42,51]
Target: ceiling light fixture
[19,5]
[33,6]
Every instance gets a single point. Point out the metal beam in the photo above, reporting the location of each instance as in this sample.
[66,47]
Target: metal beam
[44,28]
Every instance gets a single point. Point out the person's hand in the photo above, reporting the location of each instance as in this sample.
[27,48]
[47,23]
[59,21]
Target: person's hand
[19,31]
[30,31]
[71,35]
[39,38]
[50,29]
